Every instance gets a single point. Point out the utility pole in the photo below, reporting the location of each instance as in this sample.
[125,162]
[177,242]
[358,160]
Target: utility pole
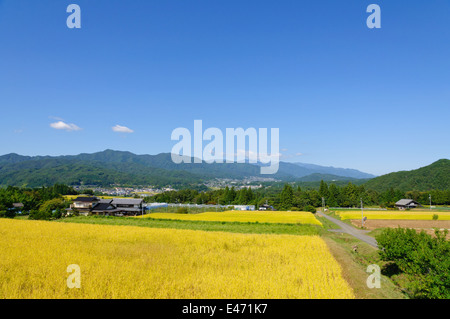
[362,214]
[323,205]
[430,201]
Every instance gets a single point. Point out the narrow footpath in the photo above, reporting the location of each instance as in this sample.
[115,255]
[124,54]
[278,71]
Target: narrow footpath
[345,228]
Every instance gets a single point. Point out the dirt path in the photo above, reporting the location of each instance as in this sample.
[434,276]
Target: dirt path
[345,228]
[426,225]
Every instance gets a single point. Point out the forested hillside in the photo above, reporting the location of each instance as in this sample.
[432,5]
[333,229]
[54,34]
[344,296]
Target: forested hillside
[125,168]
[435,176]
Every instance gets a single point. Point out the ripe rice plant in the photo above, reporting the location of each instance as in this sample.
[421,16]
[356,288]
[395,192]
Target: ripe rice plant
[409,215]
[136,262]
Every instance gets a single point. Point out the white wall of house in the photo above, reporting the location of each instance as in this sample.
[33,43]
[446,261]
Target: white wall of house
[81,205]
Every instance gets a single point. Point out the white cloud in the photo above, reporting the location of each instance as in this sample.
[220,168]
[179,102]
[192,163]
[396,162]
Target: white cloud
[122,129]
[60,125]
[298,154]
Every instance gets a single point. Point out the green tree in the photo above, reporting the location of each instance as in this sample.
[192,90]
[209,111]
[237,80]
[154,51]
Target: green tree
[52,208]
[333,195]
[423,258]
[286,197]
[323,189]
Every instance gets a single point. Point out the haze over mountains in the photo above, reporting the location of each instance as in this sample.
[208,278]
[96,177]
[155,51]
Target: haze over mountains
[118,167]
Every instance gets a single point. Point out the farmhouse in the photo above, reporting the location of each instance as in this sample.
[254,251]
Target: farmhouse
[84,204]
[406,204]
[17,207]
[127,206]
[102,206]
[113,206]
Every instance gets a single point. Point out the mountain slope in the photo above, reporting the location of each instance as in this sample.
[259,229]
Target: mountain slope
[434,176]
[46,172]
[164,161]
[330,170]
[317,177]
[118,167]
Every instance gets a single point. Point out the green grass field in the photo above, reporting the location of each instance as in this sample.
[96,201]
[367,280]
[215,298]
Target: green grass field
[232,227]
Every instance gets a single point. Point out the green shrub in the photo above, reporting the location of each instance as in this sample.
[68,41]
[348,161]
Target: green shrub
[75,212]
[51,209]
[7,213]
[182,210]
[40,215]
[57,213]
[309,208]
[424,259]
[435,216]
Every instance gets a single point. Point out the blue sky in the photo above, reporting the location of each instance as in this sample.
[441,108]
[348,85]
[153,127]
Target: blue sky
[341,94]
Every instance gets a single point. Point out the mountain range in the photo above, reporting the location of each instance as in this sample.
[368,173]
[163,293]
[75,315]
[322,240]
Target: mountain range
[125,168]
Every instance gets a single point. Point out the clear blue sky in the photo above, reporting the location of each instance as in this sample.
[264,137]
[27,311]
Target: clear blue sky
[342,94]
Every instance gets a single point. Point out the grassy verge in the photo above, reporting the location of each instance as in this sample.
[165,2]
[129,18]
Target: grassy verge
[326,224]
[347,221]
[354,265]
[232,227]
[21,217]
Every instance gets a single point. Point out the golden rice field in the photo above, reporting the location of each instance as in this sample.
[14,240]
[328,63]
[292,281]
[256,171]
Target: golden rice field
[410,215]
[72,197]
[243,216]
[136,262]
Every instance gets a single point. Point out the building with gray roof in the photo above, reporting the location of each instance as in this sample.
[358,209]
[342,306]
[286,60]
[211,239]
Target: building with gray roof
[407,204]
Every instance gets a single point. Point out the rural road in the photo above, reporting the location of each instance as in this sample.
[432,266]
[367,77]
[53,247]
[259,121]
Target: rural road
[345,228]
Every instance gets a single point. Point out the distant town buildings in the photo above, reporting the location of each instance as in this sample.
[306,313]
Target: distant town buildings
[117,190]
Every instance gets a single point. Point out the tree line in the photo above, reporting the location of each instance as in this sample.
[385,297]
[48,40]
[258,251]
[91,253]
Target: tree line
[287,196]
[291,197]
[39,203]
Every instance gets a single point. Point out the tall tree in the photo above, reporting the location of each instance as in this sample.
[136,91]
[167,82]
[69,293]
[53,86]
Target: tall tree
[323,189]
[286,197]
[333,195]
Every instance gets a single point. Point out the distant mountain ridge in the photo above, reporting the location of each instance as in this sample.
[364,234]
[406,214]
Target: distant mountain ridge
[330,170]
[434,176]
[122,167]
[317,177]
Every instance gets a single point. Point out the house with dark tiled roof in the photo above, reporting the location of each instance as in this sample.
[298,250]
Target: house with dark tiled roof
[109,207]
[407,204]
[84,204]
